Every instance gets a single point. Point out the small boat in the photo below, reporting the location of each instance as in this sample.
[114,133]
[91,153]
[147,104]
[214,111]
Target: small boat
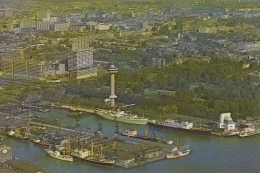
[173,156]
[57,155]
[242,135]
[185,153]
[169,142]
[45,110]
[130,133]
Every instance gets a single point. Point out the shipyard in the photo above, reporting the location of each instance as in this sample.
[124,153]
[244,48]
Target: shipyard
[88,145]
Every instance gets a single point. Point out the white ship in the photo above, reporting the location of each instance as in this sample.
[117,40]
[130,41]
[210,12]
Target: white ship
[57,155]
[130,133]
[177,124]
[177,153]
[121,116]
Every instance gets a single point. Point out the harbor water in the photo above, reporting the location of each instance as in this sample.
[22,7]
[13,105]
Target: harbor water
[212,154]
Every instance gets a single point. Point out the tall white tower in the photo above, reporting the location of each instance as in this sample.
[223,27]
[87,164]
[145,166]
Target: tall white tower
[113,70]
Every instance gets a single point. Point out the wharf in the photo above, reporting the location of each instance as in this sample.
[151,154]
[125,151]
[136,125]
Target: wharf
[128,152]
[73,108]
[157,144]
[142,162]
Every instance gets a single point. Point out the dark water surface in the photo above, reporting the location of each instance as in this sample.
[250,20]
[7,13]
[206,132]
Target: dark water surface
[211,154]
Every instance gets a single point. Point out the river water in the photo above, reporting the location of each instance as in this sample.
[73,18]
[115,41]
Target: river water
[210,153]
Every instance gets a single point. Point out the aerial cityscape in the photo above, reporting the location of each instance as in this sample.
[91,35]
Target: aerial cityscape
[129,86]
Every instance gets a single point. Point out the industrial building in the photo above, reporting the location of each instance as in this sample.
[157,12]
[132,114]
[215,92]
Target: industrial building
[226,123]
[5,153]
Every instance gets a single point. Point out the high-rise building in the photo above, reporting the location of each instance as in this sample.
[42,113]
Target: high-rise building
[80,59]
[80,43]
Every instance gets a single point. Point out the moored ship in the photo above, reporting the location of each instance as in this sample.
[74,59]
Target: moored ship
[133,134]
[42,142]
[89,156]
[180,125]
[178,153]
[57,155]
[121,116]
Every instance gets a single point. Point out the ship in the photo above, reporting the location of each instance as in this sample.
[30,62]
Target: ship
[42,142]
[89,156]
[121,116]
[57,155]
[133,134]
[173,156]
[129,133]
[177,153]
[180,125]
[242,135]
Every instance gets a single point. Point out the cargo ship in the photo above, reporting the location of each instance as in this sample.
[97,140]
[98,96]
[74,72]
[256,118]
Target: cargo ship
[41,142]
[133,134]
[180,125]
[57,155]
[89,156]
[121,116]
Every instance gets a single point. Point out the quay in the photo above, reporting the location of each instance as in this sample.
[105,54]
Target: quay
[73,108]
[126,151]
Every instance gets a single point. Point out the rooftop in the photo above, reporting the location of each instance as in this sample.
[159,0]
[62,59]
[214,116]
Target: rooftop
[20,165]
